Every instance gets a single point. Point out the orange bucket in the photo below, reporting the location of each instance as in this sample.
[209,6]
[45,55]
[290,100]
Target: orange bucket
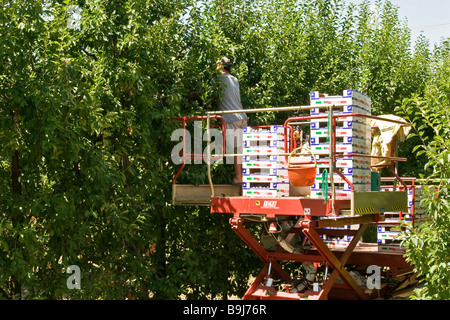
[301,175]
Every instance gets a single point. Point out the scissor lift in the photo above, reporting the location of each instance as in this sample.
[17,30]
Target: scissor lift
[310,219]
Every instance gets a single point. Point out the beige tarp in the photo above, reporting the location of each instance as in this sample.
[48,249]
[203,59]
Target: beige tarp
[383,133]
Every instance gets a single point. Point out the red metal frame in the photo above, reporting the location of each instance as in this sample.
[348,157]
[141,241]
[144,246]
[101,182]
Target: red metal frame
[413,185]
[192,156]
[338,265]
[287,206]
[333,142]
[305,212]
[321,254]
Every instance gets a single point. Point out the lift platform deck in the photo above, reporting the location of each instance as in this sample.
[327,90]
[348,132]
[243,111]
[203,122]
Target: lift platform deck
[300,217]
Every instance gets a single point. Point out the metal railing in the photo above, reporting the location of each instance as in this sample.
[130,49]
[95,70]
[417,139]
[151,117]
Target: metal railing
[332,133]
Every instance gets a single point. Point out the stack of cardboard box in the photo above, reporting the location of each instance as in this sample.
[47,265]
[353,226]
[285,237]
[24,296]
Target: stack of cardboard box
[264,171]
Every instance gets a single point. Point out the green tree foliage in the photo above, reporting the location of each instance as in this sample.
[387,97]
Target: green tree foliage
[427,245]
[86,166]
[85,109]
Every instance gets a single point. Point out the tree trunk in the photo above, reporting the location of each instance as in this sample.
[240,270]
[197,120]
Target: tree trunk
[14,285]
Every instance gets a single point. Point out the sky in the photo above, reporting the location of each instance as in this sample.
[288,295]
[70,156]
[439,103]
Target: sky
[430,16]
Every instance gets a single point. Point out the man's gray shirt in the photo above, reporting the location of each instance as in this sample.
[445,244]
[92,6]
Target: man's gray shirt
[231,99]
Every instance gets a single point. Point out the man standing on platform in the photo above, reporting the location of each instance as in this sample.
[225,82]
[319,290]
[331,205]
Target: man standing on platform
[235,122]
